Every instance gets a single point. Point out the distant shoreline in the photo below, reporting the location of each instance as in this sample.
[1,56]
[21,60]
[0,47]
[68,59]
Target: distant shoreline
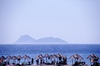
[49,44]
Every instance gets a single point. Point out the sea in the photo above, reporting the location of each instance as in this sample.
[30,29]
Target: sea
[33,50]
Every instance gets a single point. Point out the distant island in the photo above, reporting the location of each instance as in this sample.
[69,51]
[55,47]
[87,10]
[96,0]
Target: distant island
[26,39]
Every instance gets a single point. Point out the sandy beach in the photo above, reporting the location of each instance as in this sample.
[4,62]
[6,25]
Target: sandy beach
[57,65]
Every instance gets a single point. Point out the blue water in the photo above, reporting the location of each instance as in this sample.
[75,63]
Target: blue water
[67,50]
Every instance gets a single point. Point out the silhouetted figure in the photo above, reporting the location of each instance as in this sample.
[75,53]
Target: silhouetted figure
[95,64]
[37,61]
[58,64]
[64,60]
[22,64]
[18,65]
[41,61]
[75,64]
[32,60]
[29,63]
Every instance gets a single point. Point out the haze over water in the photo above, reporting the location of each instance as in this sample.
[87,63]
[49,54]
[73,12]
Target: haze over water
[76,22]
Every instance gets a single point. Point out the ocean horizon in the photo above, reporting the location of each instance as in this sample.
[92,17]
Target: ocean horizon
[67,50]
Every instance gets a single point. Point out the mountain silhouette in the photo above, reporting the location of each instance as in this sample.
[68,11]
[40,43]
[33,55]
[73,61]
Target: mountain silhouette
[26,39]
[51,40]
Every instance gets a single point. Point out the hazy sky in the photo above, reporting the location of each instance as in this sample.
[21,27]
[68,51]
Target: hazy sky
[75,21]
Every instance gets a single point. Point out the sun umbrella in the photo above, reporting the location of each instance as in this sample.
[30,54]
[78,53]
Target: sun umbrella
[8,58]
[59,56]
[37,57]
[40,56]
[19,58]
[46,56]
[53,57]
[14,58]
[93,58]
[76,57]
[26,57]
[2,58]
[64,57]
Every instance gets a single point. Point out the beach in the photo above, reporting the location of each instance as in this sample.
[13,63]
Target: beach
[49,65]
[57,65]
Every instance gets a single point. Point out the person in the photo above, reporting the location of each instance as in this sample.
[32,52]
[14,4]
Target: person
[18,65]
[75,64]
[0,64]
[41,61]
[32,61]
[64,60]
[37,61]
[22,64]
[29,63]
[95,64]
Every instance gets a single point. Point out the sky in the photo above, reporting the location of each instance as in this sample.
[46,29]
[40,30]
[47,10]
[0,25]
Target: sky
[75,21]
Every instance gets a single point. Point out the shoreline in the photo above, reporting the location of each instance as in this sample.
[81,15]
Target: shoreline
[50,65]
[57,65]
